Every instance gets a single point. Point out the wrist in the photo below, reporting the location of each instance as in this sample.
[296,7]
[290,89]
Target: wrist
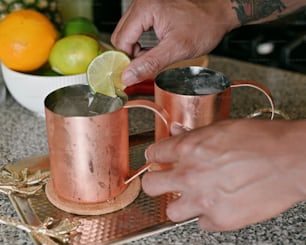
[233,13]
[260,11]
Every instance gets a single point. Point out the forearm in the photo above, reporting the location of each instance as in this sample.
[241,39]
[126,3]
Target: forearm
[259,11]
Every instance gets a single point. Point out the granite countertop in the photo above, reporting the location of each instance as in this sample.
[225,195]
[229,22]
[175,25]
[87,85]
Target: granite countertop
[23,135]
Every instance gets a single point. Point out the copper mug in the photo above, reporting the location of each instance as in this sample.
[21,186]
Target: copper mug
[89,154]
[195,96]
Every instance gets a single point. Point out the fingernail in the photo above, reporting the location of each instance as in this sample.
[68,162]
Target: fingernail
[179,127]
[146,154]
[129,78]
[176,128]
[176,125]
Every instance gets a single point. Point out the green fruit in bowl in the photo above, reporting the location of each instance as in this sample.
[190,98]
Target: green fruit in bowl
[46,7]
[80,25]
[72,54]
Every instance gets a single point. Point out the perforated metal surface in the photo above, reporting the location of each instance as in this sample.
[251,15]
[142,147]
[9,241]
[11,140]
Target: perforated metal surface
[146,215]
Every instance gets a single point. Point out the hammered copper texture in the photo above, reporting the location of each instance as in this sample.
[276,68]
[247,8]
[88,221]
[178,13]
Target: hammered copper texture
[146,215]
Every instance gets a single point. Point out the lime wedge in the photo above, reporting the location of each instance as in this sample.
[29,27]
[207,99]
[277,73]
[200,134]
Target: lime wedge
[104,73]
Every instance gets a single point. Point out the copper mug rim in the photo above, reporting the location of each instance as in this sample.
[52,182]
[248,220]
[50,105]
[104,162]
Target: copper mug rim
[185,75]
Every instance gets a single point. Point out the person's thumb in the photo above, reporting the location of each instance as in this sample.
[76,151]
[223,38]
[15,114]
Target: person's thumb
[141,68]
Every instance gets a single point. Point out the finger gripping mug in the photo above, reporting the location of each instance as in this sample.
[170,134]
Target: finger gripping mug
[89,150]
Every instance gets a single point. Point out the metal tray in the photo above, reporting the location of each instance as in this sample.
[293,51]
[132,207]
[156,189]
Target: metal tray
[144,217]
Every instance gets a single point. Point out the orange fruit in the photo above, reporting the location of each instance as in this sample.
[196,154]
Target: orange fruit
[26,38]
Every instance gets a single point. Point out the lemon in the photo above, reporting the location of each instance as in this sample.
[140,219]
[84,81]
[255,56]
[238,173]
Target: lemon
[80,25]
[104,73]
[72,54]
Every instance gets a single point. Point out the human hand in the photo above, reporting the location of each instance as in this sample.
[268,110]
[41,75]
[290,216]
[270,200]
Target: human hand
[231,174]
[185,29]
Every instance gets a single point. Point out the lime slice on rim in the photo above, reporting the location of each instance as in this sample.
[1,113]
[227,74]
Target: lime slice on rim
[104,73]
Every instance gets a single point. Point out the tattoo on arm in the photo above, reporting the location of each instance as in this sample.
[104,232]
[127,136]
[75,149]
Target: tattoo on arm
[250,10]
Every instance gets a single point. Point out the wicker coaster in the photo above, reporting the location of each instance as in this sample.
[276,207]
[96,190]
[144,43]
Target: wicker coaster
[121,201]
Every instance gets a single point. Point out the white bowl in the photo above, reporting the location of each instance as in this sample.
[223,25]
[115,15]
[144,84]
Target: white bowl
[30,90]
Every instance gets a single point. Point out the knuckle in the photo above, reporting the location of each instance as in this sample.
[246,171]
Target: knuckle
[188,47]
[172,213]
[221,218]
[211,225]
[187,177]
[223,224]
[114,40]
[152,65]
[184,147]
[209,201]
[216,223]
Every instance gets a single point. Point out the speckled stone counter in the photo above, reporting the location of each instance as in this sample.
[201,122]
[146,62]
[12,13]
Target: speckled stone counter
[23,135]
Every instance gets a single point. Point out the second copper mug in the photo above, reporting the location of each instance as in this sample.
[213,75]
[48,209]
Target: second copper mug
[195,96]
[89,150]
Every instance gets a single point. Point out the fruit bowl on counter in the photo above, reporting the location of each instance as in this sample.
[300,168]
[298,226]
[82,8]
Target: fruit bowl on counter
[30,90]
[37,58]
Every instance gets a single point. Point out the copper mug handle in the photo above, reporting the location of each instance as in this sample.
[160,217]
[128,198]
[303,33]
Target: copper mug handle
[158,110]
[261,88]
